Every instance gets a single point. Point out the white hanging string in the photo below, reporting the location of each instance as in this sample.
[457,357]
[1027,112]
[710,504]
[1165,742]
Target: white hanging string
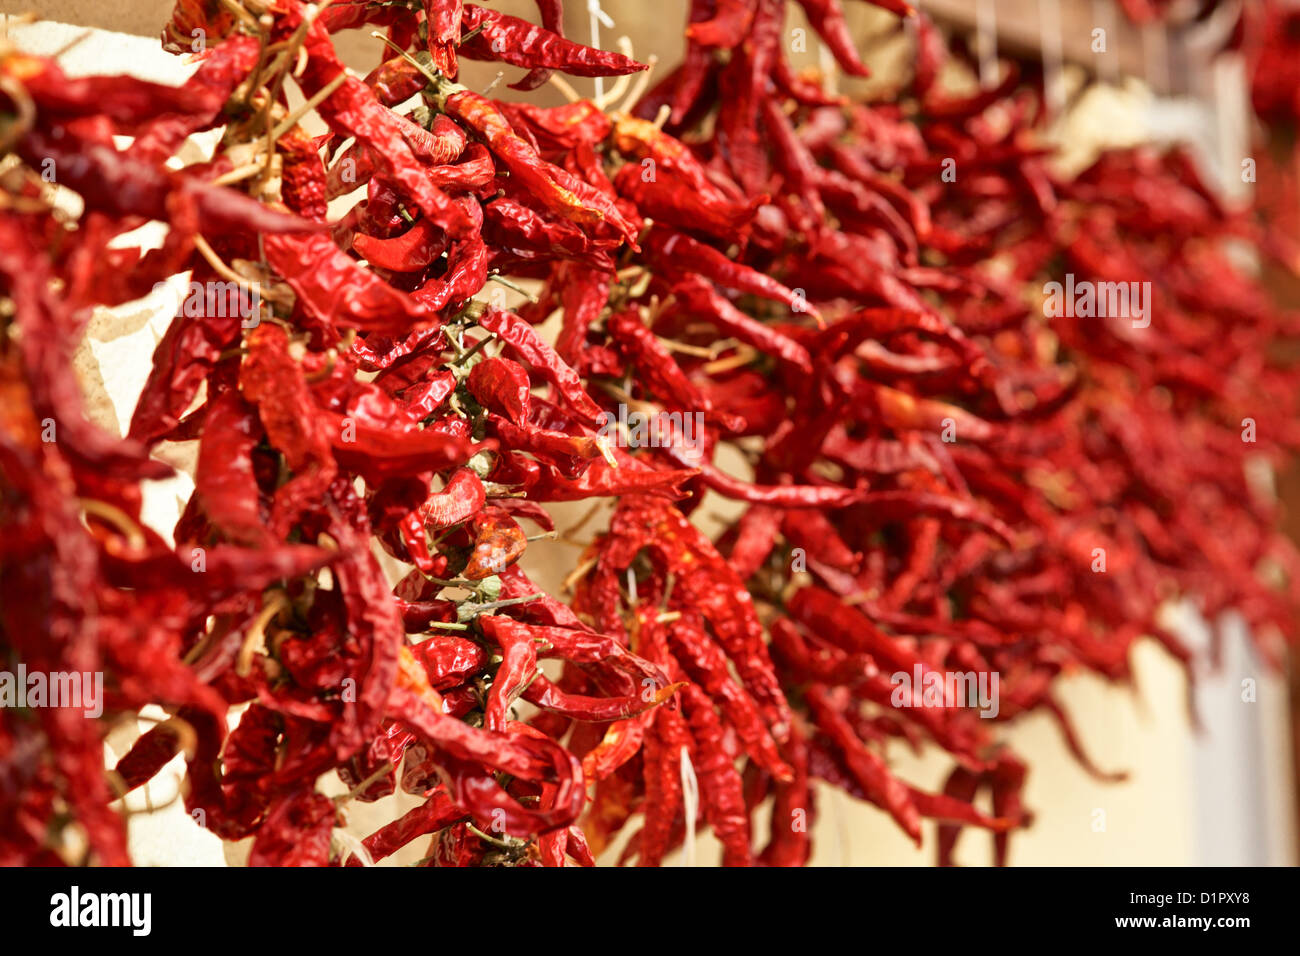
[1049,24]
[690,807]
[598,17]
[986,27]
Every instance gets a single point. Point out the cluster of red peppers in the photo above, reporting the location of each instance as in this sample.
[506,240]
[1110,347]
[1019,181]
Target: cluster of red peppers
[832,313]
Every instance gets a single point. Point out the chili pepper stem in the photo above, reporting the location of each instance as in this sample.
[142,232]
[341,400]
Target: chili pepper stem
[621,83]
[502,280]
[490,839]
[744,355]
[229,274]
[577,574]
[291,46]
[435,79]
[320,96]
[641,85]
[239,173]
[507,602]
[474,349]
[118,518]
[566,88]
[243,15]
[364,784]
[686,349]
[453,582]
[255,636]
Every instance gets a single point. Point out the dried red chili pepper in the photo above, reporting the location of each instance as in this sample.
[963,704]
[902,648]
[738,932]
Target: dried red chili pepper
[412,251]
[524,341]
[867,768]
[499,36]
[296,832]
[335,290]
[352,110]
[827,18]
[559,190]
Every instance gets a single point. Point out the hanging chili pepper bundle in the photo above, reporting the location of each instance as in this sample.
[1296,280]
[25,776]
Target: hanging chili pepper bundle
[936,475]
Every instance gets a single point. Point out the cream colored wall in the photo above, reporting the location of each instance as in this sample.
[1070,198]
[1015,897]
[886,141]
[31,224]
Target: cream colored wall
[1154,818]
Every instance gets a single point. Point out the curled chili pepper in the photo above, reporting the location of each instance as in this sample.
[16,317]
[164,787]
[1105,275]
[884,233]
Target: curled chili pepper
[499,36]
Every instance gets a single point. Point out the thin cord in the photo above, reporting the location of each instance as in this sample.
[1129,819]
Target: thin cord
[690,806]
[598,17]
